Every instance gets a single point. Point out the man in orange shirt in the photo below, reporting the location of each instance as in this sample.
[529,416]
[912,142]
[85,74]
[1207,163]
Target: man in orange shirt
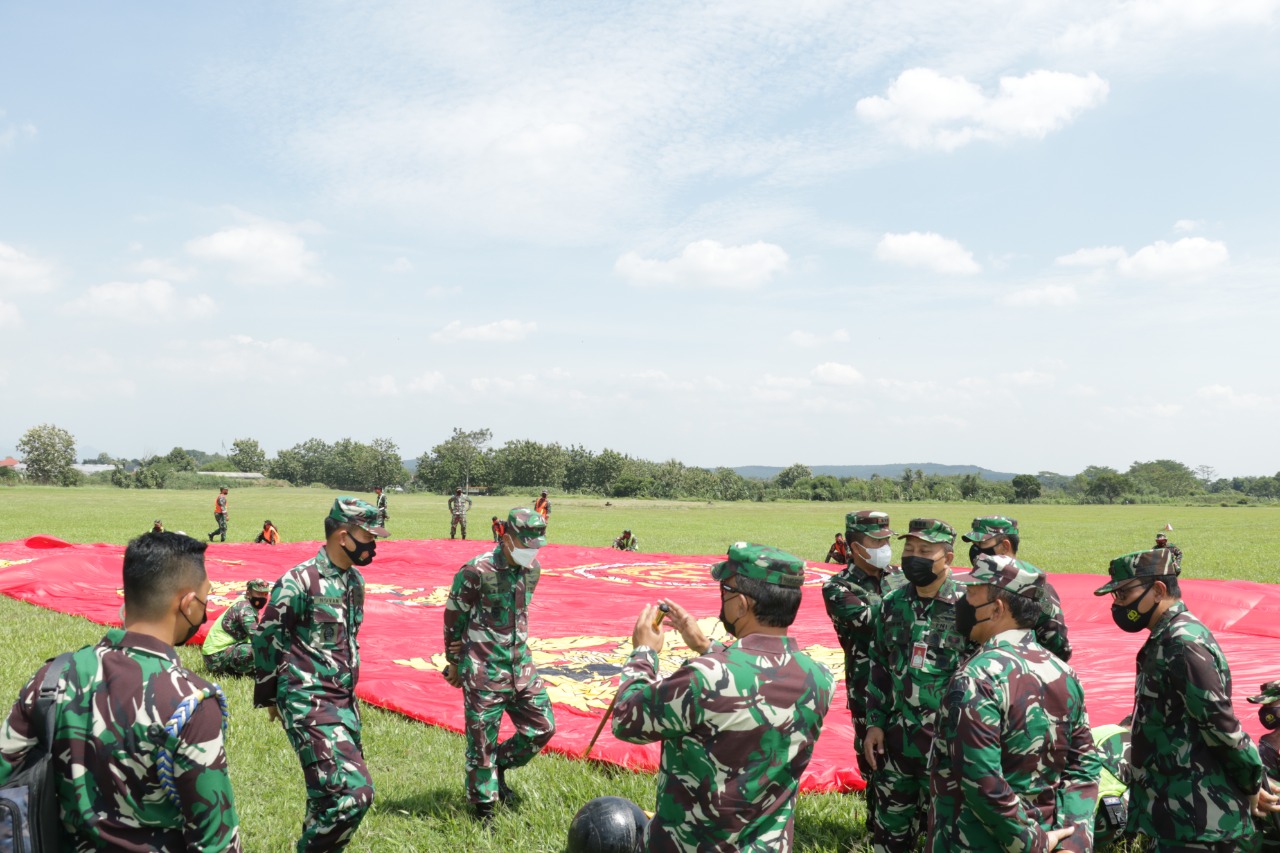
[220,515]
[542,506]
[269,534]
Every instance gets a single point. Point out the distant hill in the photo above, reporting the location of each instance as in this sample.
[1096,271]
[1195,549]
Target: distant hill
[411,465]
[864,472]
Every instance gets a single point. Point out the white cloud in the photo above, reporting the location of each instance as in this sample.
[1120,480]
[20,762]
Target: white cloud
[499,331]
[10,132]
[1028,378]
[260,252]
[432,380]
[1053,295]
[1098,256]
[153,300]
[162,268]
[242,356]
[1190,256]
[812,340]
[1079,390]
[1186,225]
[378,386]
[399,266]
[708,263]
[924,109]
[1228,395]
[1140,23]
[832,373]
[929,250]
[21,273]
[9,316]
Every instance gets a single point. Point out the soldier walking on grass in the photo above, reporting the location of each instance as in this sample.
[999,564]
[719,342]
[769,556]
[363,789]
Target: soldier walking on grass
[119,788]
[1014,765]
[1195,776]
[738,723]
[307,662]
[458,506]
[220,515]
[381,504]
[486,635]
[226,647]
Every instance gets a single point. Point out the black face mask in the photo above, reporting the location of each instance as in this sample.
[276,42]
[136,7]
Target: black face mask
[362,554]
[974,551]
[967,616]
[257,603]
[918,570]
[194,629]
[1129,618]
[1269,718]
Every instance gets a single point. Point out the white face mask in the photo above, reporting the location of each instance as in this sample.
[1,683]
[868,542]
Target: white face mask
[880,557]
[524,557]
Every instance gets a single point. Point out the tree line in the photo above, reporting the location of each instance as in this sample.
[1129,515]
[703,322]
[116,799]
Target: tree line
[467,459]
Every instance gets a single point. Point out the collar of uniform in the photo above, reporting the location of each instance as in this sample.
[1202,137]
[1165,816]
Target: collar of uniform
[122,639]
[949,591]
[766,643]
[1163,625]
[325,565]
[1012,637]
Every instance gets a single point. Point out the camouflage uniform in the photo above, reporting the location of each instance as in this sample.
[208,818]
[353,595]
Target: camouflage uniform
[1192,767]
[382,509]
[307,662]
[226,647]
[488,611]
[1177,552]
[1051,626]
[109,701]
[1269,752]
[913,656]
[458,506]
[220,517]
[737,727]
[852,598]
[1015,757]
[627,542]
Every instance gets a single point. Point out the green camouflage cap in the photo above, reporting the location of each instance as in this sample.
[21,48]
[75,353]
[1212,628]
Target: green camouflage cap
[991,525]
[258,585]
[763,563]
[528,526]
[1270,693]
[868,522]
[349,510]
[1008,573]
[1158,562]
[931,530]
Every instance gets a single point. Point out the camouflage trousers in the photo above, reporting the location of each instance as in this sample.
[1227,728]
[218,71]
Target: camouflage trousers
[221,519]
[901,790]
[339,788]
[1157,846]
[453,525]
[233,660]
[864,766]
[529,710]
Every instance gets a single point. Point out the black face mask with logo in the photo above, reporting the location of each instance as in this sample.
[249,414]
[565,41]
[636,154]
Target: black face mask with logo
[257,603]
[1129,618]
[362,554]
[1269,716]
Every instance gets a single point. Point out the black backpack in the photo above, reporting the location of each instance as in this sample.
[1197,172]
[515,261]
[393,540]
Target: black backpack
[30,817]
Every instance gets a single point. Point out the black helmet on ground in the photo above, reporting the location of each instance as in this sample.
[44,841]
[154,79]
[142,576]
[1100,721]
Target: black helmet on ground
[607,825]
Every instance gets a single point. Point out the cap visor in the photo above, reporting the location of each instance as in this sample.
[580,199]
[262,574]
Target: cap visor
[721,570]
[967,579]
[1110,587]
[380,532]
[532,541]
[879,534]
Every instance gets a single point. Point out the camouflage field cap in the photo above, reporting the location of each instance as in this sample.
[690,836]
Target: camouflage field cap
[1270,693]
[991,525]
[258,585]
[868,522]
[1158,562]
[1008,573]
[931,530]
[349,510]
[527,526]
[763,563]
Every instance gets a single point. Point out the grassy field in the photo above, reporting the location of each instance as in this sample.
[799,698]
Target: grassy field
[420,803]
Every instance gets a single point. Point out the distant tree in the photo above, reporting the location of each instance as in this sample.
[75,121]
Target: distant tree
[1165,477]
[247,456]
[969,485]
[181,460]
[1206,474]
[456,462]
[577,471]
[1108,486]
[606,468]
[1026,488]
[788,477]
[1095,471]
[49,452]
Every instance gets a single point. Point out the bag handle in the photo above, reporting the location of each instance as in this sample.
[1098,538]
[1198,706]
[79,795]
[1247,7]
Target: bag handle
[46,700]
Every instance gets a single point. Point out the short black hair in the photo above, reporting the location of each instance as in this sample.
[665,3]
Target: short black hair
[776,606]
[1014,540]
[1025,611]
[156,567]
[1170,584]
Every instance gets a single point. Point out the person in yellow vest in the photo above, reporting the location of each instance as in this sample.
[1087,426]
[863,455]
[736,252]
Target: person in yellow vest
[226,646]
[269,534]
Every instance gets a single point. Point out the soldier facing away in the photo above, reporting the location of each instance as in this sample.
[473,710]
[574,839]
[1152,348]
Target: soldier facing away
[738,723]
[220,515]
[1014,767]
[117,692]
[307,663]
[1195,776]
[486,635]
[226,647]
[458,506]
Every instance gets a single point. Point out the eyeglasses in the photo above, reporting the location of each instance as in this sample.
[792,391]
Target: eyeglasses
[724,587]
[1125,591]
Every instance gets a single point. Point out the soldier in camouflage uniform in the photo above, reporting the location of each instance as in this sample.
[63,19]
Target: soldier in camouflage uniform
[1195,776]
[1269,752]
[486,634]
[738,723]
[914,654]
[226,647]
[220,515]
[1162,541]
[307,662]
[458,506]
[852,598]
[111,701]
[381,504]
[1014,767]
[995,535]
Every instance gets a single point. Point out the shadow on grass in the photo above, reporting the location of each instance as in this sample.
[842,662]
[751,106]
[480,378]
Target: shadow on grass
[443,803]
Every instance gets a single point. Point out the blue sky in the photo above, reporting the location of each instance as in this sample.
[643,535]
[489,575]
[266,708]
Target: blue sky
[1025,236]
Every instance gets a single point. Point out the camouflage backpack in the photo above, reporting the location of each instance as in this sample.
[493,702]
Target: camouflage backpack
[30,818]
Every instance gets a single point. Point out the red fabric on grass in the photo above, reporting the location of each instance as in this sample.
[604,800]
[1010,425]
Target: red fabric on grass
[581,622]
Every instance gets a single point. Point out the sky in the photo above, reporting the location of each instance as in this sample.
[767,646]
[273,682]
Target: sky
[1027,236]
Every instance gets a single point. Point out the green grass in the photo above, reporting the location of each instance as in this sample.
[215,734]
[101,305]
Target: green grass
[420,804]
